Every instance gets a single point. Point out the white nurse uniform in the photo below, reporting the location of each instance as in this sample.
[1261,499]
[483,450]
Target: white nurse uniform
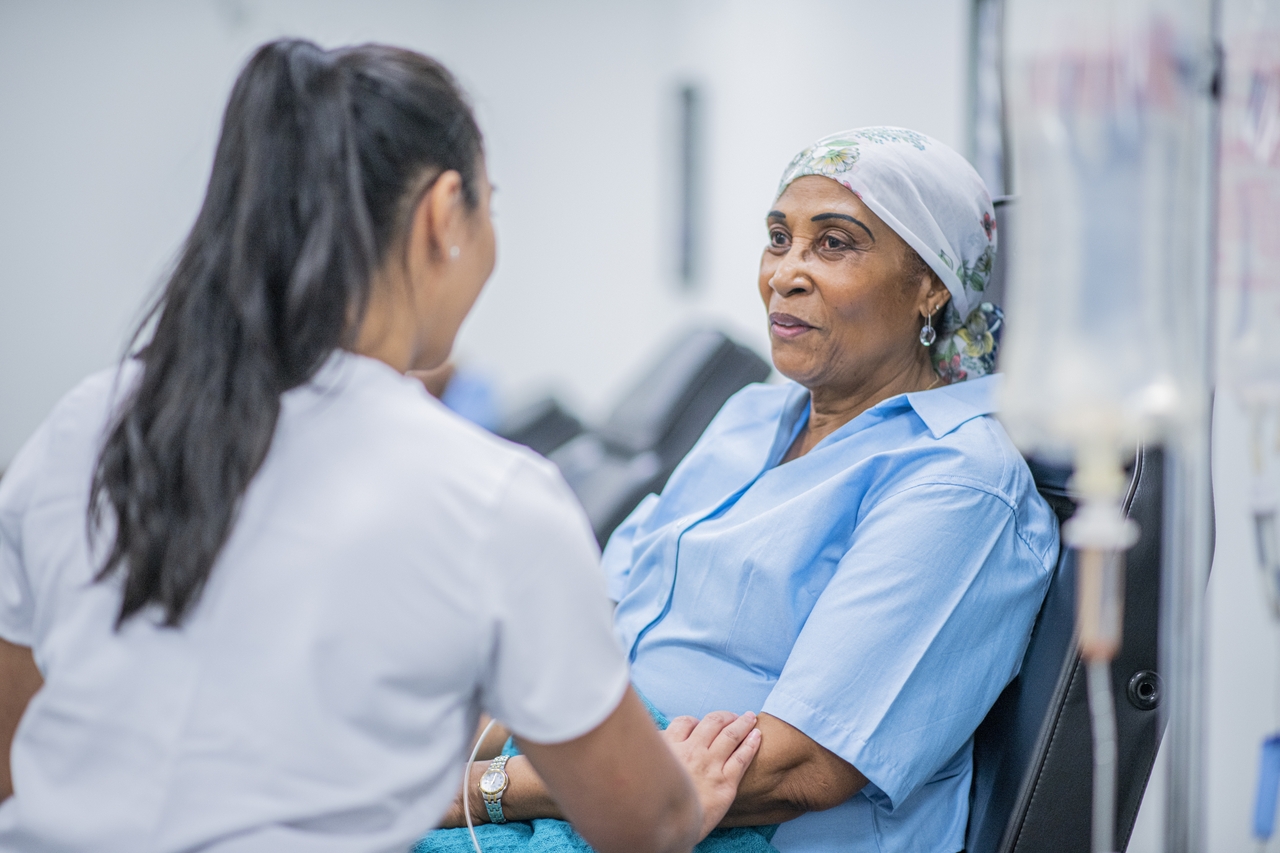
[393,571]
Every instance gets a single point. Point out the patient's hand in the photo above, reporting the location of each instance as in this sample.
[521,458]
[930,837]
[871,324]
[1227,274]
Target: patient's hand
[715,751]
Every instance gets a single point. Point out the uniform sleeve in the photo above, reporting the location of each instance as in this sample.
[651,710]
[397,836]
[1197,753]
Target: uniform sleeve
[616,561]
[17,607]
[557,671]
[923,624]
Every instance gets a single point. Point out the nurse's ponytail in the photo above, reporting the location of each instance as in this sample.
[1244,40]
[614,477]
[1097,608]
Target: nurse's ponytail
[309,191]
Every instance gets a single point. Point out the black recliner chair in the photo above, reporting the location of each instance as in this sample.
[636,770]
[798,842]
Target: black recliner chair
[1033,770]
[613,466]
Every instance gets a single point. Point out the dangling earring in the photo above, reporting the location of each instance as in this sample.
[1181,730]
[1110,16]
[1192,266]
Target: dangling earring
[454,251]
[928,334]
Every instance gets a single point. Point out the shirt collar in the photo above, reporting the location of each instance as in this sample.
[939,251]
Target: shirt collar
[943,409]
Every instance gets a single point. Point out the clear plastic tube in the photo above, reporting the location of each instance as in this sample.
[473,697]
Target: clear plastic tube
[1100,533]
[1102,714]
[466,784]
[1100,603]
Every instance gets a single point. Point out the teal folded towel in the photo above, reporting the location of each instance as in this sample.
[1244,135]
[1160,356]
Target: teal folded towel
[557,836]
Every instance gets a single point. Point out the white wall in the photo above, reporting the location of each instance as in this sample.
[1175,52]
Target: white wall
[109,112]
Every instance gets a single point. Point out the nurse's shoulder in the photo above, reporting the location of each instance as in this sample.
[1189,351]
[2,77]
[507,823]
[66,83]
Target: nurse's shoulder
[412,456]
[65,445]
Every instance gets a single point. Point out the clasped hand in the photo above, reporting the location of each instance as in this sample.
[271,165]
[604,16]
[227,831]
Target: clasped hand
[715,752]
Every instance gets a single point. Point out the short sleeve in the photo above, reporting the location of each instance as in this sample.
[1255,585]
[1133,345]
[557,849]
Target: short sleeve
[923,624]
[616,561]
[17,486]
[557,671]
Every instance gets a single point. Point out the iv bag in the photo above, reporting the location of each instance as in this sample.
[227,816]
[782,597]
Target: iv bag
[1108,298]
[1249,202]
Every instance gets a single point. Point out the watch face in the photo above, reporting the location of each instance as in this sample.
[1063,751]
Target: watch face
[493,782]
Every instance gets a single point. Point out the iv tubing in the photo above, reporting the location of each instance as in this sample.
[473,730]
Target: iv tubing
[1102,710]
[466,785]
[1100,533]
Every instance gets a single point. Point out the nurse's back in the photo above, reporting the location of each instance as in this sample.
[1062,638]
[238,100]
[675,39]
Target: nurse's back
[268,583]
[324,683]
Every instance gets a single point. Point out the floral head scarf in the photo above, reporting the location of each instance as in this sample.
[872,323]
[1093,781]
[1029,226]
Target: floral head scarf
[935,201]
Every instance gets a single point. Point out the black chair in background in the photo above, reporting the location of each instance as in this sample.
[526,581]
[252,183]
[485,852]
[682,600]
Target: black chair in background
[1033,754]
[611,468]
[541,426]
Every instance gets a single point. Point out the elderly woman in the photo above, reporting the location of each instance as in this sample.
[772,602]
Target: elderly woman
[857,554]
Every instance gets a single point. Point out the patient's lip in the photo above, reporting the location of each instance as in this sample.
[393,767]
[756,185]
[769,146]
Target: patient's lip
[787,326]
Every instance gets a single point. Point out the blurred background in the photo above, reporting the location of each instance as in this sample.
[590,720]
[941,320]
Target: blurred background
[110,112]
[635,145]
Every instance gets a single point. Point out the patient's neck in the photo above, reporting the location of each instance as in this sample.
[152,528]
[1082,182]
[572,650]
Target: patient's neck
[831,406]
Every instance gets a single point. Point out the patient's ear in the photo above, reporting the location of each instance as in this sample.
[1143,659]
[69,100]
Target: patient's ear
[933,295]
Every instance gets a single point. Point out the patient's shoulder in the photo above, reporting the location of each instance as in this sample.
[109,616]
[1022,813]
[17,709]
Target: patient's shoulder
[982,456]
[979,452]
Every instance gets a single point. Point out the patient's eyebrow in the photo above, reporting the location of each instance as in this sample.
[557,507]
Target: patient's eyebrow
[776,214]
[847,218]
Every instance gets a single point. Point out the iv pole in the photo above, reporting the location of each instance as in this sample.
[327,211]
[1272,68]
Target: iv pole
[1188,525]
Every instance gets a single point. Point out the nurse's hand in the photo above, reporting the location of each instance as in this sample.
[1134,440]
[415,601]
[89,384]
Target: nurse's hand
[716,752]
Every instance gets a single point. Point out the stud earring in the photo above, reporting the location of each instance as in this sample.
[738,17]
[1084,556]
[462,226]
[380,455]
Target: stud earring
[454,251]
[928,334]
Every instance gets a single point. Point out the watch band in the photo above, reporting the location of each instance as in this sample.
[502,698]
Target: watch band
[493,801]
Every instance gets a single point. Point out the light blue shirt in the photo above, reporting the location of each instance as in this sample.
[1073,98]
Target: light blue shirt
[877,594]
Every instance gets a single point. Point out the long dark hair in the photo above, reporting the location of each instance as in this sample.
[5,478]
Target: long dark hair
[320,158]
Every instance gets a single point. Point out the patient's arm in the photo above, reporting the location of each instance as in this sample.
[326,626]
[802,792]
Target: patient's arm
[19,681]
[792,774]
[493,741]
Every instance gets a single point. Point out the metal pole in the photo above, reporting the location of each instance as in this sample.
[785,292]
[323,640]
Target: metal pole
[1186,569]
[1188,526]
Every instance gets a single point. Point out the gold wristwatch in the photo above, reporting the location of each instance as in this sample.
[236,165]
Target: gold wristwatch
[493,784]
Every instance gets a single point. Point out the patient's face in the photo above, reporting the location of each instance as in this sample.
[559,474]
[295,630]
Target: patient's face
[842,315]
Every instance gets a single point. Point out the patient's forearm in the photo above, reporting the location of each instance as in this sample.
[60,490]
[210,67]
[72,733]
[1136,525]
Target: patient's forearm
[526,797]
[493,741]
[792,775]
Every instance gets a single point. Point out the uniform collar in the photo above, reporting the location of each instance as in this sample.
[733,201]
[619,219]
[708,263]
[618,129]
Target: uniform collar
[944,409]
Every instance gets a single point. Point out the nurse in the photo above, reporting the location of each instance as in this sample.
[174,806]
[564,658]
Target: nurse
[301,578]
[858,553]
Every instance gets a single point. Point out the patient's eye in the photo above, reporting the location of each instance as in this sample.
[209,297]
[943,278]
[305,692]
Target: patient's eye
[778,239]
[835,241]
